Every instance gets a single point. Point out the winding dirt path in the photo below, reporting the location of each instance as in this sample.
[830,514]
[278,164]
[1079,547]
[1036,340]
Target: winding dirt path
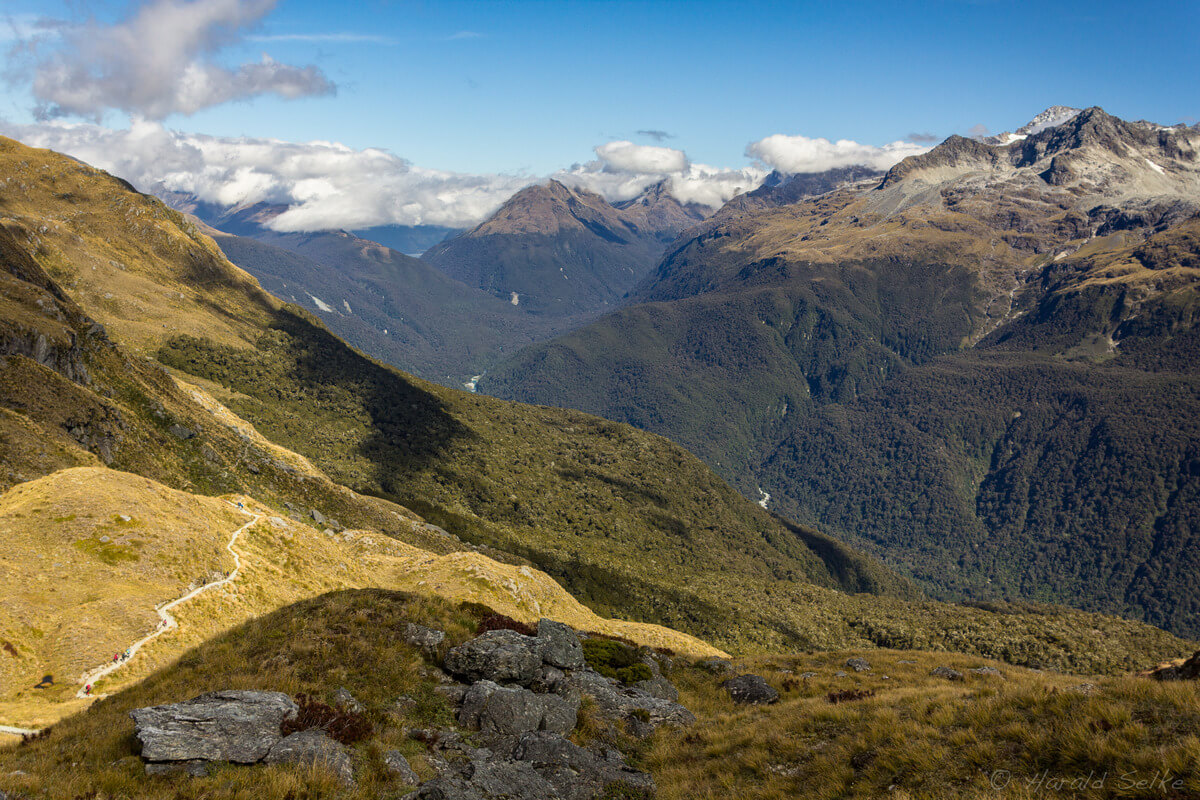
[166,621]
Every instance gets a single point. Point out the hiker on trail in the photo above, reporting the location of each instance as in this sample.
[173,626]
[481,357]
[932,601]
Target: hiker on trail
[116,657]
[126,656]
[87,690]
[240,506]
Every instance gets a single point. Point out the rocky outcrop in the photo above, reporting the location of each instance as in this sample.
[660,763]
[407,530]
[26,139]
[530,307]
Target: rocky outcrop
[1183,670]
[399,768]
[560,646]
[236,726]
[499,711]
[947,673]
[502,656]
[537,766]
[641,711]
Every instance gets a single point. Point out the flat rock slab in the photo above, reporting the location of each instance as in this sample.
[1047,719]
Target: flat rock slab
[235,725]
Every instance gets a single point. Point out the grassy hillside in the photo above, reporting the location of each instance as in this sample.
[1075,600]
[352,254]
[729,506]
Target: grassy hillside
[91,552]
[1019,734]
[918,736]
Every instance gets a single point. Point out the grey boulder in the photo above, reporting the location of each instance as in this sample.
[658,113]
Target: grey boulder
[235,725]
[750,690]
[947,673]
[489,780]
[399,768]
[500,711]
[560,645]
[858,664]
[503,656]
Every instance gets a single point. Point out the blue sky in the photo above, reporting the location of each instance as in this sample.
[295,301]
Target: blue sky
[468,101]
[504,86]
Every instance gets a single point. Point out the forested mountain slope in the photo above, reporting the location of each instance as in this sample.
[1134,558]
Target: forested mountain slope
[980,368]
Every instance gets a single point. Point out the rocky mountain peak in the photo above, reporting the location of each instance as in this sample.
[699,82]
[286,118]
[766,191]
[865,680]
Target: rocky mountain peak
[1050,118]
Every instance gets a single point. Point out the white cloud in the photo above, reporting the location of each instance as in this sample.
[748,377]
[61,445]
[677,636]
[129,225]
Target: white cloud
[160,61]
[795,154]
[624,156]
[623,170]
[325,184]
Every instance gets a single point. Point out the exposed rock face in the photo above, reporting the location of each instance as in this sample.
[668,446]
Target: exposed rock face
[502,656]
[498,711]
[750,690]
[312,747]
[576,772]
[560,645]
[716,665]
[659,687]
[234,725]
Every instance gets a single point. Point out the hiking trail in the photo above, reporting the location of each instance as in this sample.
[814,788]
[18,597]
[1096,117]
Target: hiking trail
[166,621]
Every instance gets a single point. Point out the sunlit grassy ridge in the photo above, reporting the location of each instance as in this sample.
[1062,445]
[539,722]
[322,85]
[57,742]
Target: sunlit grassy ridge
[88,553]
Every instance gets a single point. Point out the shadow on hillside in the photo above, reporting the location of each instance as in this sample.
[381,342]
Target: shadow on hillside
[317,396]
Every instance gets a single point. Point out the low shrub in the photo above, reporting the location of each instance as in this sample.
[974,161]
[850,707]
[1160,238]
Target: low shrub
[499,622]
[338,723]
[612,659]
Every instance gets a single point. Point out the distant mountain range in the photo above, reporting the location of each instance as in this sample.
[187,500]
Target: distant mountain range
[554,250]
[551,259]
[980,366]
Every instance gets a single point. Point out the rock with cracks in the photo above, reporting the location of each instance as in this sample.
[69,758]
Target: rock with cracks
[560,645]
[502,656]
[234,725]
[617,702]
[499,711]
